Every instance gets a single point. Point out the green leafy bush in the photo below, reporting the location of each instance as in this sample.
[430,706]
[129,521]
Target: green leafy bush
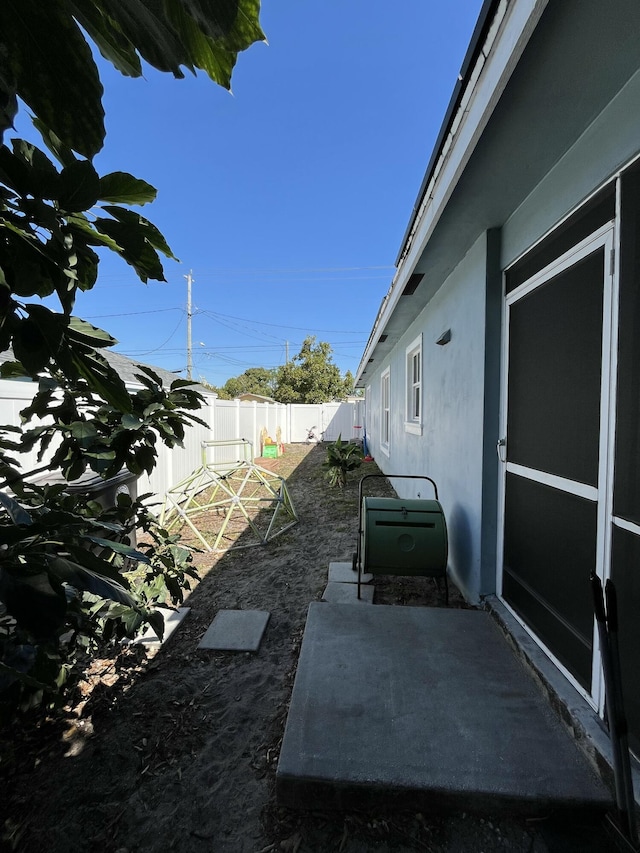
[70,582]
[342,457]
[68,578]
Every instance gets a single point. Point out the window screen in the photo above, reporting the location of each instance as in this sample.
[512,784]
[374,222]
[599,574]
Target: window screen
[553,413]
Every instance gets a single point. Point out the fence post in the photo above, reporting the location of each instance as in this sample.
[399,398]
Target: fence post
[212,418]
[254,431]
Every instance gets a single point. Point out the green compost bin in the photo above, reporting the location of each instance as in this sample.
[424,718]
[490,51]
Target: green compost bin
[403,537]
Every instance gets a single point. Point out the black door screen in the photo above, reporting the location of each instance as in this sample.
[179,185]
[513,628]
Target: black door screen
[553,431]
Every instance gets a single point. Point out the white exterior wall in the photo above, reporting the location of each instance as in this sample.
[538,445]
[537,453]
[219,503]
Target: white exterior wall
[450,449]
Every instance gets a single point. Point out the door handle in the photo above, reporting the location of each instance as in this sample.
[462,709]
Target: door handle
[501,449]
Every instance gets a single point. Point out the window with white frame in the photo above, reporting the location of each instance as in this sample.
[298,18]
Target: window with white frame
[385,414]
[413,409]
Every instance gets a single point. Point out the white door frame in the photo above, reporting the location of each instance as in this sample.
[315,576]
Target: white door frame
[605,237]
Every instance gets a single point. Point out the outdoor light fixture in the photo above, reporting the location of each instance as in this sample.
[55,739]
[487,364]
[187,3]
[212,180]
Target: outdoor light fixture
[444,338]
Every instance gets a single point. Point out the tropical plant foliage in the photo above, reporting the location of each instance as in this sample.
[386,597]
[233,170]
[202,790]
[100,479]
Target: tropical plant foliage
[342,457]
[46,60]
[68,576]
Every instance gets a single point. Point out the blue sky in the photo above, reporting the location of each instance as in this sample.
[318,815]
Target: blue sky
[288,199]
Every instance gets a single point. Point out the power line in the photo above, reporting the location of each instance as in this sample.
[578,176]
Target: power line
[149,351]
[263,271]
[132,313]
[214,316]
[288,270]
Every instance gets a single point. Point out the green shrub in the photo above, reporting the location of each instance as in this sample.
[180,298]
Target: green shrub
[342,457]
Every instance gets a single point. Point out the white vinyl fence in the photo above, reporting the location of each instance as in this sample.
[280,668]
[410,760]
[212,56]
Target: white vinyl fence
[226,420]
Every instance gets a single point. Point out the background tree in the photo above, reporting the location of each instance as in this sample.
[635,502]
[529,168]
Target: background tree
[255,380]
[62,582]
[311,376]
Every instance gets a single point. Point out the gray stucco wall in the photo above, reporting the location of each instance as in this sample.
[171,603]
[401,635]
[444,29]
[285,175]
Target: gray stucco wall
[450,449]
[461,381]
[608,144]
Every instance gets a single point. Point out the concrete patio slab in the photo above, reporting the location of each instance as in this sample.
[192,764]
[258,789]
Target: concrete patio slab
[341,572]
[423,708]
[236,631]
[347,593]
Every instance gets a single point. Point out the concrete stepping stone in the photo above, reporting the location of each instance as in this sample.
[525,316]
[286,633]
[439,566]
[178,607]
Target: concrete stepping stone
[347,593]
[342,572]
[172,621]
[236,631]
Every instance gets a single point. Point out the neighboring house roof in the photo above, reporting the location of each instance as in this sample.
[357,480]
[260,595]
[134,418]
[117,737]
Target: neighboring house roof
[127,368]
[247,397]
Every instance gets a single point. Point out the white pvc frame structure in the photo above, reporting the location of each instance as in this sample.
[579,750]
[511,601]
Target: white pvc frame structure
[235,487]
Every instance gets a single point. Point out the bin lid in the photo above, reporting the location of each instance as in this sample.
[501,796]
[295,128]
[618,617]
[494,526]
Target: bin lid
[87,482]
[370,504]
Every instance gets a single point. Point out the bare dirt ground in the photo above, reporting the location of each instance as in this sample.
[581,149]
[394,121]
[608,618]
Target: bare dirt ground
[178,751]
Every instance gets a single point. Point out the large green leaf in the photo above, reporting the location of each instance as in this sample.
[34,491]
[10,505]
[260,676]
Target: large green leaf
[215,60]
[32,601]
[12,370]
[8,100]
[17,514]
[102,378]
[45,59]
[84,431]
[120,548]
[28,270]
[30,346]
[147,229]
[86,271]
[80,187]
[44,178]
[231,24]
[54,70]
[14,172]
[11,675]
[82,555]
[80,330]
[145,25]
[123,188]
[84,579]
[58,148]
[107,35]
[135,250]
[79,224]
[50,323]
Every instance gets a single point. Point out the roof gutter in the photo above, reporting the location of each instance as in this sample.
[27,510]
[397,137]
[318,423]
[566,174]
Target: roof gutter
[478,37]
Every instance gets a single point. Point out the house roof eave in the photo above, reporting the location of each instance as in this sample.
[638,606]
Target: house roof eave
[498,40]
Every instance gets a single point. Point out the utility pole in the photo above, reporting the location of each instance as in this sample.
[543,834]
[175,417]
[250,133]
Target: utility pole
[189,279]
[286,358]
